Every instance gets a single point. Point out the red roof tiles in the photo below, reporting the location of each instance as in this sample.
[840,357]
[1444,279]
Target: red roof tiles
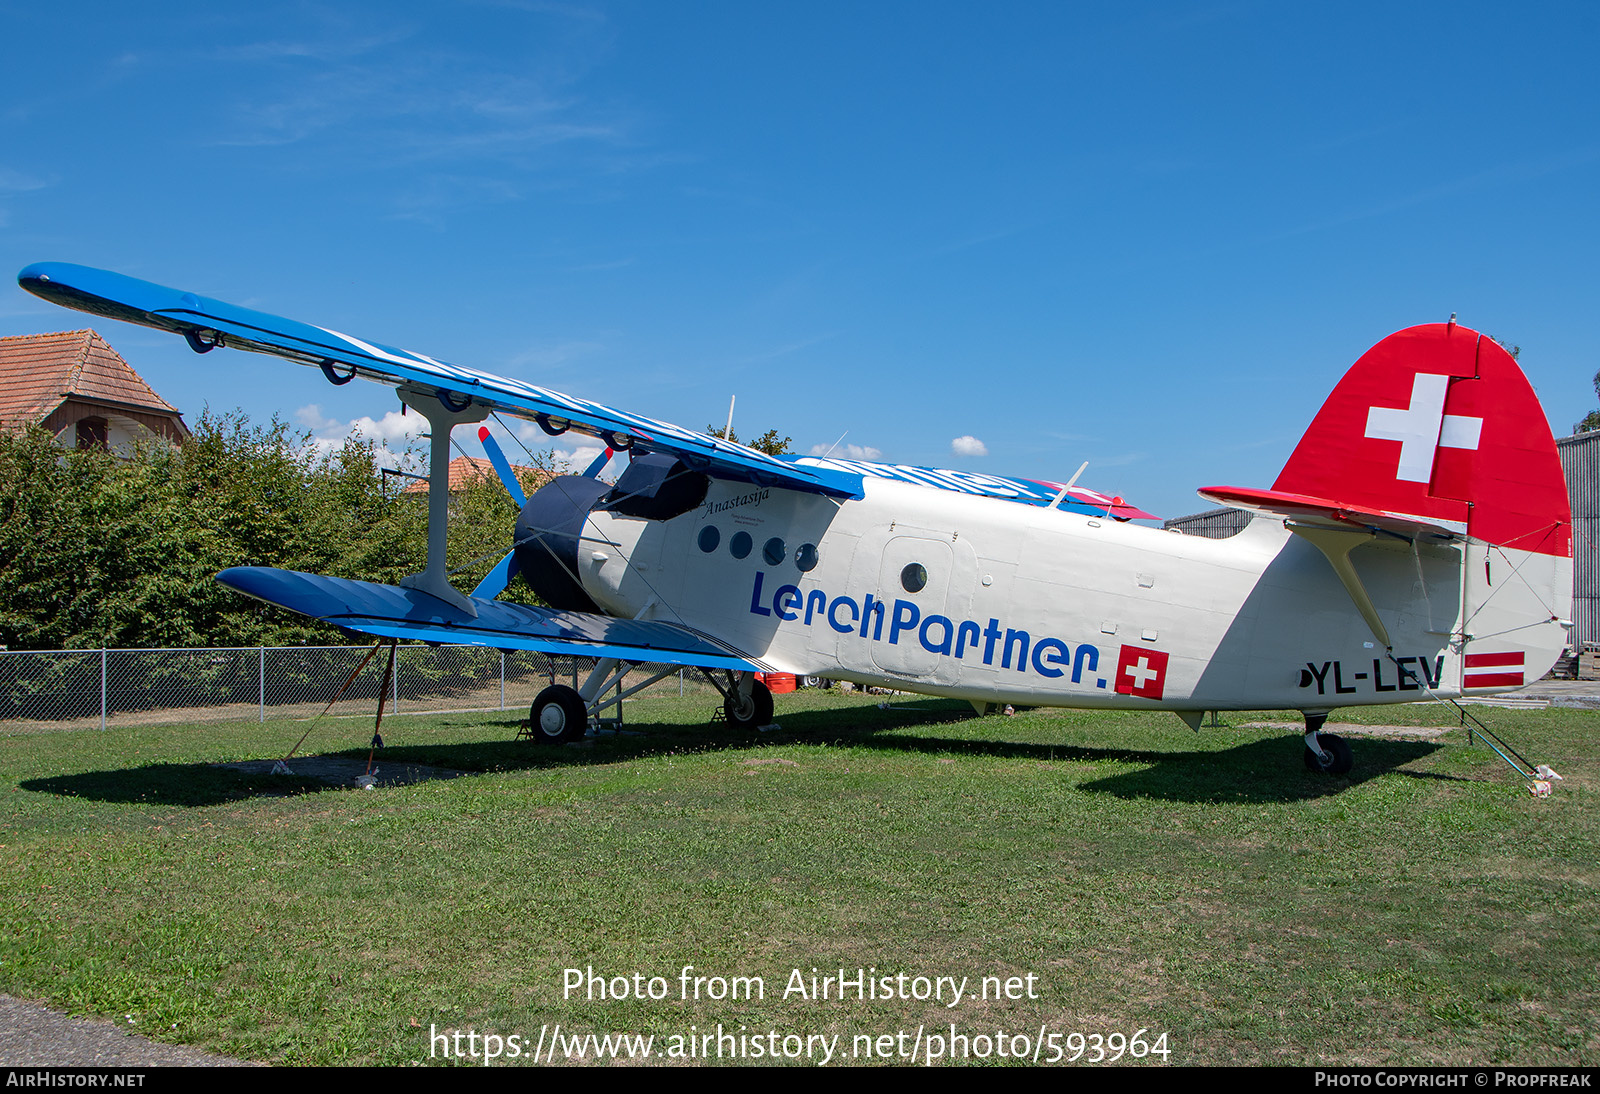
[41,374]
[465,470]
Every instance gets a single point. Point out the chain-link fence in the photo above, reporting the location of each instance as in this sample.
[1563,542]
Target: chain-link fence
[69,689]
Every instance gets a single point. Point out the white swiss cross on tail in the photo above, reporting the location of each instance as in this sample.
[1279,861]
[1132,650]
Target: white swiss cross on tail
[1423,427]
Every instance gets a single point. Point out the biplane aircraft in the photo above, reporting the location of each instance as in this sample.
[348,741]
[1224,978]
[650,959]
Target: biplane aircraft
[1418,543]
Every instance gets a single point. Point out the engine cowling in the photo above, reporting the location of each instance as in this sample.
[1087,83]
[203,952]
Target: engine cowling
[549,530]
[654,487]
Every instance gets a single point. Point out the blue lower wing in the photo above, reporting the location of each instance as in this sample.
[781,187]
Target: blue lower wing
[387,611]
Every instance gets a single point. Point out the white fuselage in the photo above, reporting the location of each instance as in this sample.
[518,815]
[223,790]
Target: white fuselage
[1023,604]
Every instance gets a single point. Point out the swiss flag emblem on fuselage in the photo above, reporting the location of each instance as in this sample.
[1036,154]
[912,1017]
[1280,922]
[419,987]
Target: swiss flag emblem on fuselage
[1438,422]
[1141,672]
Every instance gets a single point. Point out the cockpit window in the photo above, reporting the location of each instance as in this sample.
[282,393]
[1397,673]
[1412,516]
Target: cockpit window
[657,487]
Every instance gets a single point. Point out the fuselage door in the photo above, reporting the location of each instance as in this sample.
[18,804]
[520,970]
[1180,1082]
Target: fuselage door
[925,587]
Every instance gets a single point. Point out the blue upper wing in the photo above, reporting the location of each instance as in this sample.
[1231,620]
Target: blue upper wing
[207,322]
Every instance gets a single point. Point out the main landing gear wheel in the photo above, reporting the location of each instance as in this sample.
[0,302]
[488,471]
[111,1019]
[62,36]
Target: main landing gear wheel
[751,712]
[558,715]
[1339,758]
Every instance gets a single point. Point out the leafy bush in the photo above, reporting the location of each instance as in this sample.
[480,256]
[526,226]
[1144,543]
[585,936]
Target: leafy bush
[101,549]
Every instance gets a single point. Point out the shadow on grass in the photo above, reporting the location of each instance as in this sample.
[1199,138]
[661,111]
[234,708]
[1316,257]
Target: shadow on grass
[1269,770]
[1256,771]
[173,784]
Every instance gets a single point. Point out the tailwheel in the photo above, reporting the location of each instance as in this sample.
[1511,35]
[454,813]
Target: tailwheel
[1336,757]
[749,711]
[1327,753]
[558,715]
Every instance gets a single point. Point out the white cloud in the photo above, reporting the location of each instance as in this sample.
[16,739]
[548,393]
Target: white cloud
[848,452]
[16,181]
[602,266]
[785,349]
[553,357]
[969,446]
[394,432]
[577,461]
[574,460]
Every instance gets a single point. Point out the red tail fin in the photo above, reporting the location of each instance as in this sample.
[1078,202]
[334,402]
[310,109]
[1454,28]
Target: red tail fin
[1438,422]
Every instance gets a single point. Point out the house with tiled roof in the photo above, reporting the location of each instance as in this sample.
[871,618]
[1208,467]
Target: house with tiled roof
[80,389]
[466,471]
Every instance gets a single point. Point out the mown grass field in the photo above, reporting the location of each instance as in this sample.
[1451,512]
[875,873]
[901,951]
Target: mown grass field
[1424,909]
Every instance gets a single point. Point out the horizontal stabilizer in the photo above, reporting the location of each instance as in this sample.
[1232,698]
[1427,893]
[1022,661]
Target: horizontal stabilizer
[388,611]
[1079,499]
[1332,514]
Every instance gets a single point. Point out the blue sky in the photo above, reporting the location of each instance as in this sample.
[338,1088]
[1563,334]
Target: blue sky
[1147,235]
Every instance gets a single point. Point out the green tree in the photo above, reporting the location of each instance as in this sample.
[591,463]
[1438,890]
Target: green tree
[769,442]
[122,549]
[261,496]
[93,549]
[1591,420]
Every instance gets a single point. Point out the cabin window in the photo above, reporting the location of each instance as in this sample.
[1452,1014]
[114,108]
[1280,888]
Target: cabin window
[740,544]
[806,557]
[709,538]
[773,551]
[914,578]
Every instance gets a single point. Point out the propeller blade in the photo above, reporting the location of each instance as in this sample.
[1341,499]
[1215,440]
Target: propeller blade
[502,467]
[495,582]
[599,464]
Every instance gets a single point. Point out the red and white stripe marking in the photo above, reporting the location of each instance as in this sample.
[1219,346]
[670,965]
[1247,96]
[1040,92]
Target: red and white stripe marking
[1493,670]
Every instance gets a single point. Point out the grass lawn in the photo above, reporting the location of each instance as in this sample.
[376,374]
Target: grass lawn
[1202,886]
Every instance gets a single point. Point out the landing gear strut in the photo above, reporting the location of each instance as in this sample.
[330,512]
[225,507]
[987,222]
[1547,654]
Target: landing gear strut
[746,702]
[1327,753]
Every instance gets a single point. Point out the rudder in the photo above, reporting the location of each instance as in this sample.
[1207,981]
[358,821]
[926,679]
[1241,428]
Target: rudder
[1438,422]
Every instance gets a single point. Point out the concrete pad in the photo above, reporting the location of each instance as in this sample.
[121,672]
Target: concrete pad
[1577,694]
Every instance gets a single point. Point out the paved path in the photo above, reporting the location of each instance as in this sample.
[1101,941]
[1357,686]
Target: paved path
[1563,693]
[33,1035]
